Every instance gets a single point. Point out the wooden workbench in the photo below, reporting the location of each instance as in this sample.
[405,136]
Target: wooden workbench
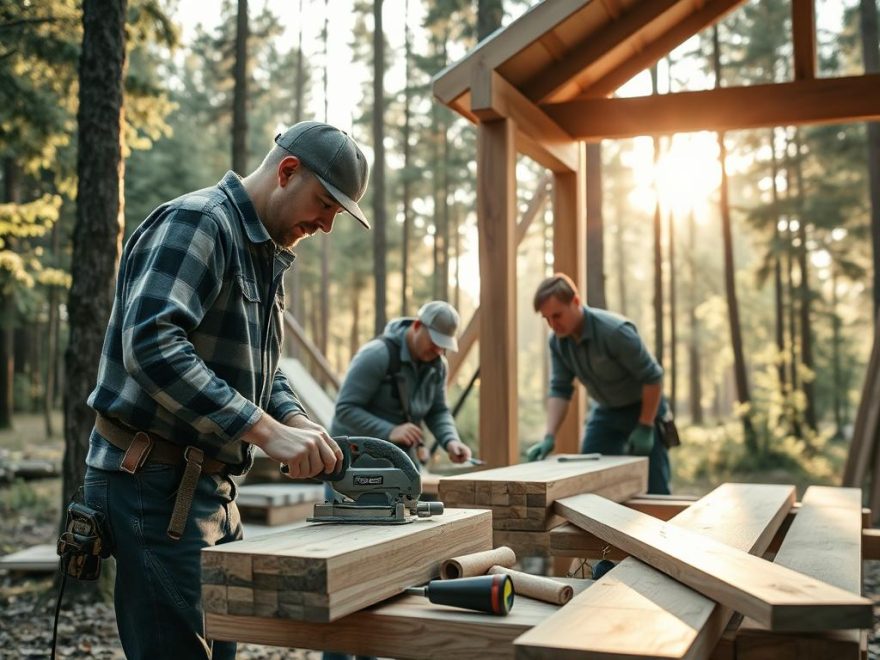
[402,627]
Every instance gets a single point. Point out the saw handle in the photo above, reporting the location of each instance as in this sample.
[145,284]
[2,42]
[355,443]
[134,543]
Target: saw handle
[341,468]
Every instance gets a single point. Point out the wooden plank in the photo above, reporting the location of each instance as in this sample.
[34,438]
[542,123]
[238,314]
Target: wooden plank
[871,544]
[546,83]
[546,481]
[323,572]
[646,54]
[652,614]
[41,558]
[823,542]
[496,208]
[570,257]
[492,98]
[403,627]
[777,597]
[803,27]
[501,45]
[825,100]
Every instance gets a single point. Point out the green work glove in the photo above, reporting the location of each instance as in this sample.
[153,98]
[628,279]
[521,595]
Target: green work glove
[539,450]
[641,440]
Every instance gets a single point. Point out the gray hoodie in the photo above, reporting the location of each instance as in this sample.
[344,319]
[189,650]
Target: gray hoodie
[368,403]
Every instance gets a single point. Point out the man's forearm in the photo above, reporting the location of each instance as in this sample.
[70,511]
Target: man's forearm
[556,410]
[651,394]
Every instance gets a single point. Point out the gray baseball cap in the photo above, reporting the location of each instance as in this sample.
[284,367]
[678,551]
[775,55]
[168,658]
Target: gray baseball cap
[334,158]
[442,322]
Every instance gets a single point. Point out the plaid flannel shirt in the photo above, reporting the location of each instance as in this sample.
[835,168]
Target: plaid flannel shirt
[192,348]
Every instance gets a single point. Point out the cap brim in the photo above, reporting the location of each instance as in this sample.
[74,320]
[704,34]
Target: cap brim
[345,201]
[443,341]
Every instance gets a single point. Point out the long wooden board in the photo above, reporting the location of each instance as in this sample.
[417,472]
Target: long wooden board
[651,614]
[403,627]
[521,496]
[775,596]
[823,542]
[317,572]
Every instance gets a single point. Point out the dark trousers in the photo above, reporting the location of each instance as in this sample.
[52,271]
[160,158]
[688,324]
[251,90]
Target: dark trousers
[158,581]
[607,431]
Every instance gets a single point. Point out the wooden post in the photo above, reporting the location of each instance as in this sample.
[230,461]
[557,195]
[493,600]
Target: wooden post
[569,256]
[496,219]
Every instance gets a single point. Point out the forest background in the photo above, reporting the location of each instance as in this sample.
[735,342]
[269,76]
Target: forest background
[208,84]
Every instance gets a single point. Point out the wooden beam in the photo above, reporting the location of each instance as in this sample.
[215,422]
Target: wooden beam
[472,331]
[570,257]
[651,614]
[710,13]
[826,100]
[501,45]
[323,572]
[803,26]
[403,627]
[543,85]
[492,98]
[775,596]
[823,542]
[496,208]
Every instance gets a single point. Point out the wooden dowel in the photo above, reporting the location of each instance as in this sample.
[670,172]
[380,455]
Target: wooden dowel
[537,587]
[477,563]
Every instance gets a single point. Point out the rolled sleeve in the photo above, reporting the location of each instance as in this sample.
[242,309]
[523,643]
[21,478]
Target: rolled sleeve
[630,351]
[283,403]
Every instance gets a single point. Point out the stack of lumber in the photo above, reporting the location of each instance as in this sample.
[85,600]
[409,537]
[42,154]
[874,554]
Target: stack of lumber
[712,549]
[402,627]
[320,572]
[277,504]
[521,496]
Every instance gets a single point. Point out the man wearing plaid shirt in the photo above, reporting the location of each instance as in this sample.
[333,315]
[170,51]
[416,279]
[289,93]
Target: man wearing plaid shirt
[189,382]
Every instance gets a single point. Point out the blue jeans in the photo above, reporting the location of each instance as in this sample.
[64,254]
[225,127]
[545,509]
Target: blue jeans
[158,581]
[607,430]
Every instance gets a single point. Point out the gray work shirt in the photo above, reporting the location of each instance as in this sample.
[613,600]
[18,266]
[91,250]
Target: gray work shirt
[368,403]
[608,357]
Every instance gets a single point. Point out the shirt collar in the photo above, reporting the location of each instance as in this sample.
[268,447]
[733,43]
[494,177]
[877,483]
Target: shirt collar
[253,226]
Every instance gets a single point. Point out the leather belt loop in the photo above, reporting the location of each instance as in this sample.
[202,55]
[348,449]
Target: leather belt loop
[185,492]
[137,453]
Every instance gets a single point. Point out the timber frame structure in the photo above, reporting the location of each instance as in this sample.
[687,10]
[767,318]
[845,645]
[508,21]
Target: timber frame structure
[542,87]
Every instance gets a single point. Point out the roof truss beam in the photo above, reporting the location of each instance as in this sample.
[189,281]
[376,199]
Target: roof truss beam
[803,25]
[817,101]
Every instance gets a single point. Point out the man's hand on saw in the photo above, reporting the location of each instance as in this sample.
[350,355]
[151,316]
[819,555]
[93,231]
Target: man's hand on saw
[305,447]
[406,435]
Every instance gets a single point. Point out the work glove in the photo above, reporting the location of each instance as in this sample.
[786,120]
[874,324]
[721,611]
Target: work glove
[539,450]
[641,440]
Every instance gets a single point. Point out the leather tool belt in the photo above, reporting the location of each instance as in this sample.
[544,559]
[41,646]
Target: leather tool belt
[141,447]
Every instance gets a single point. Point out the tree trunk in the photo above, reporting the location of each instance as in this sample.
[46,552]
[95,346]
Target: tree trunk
[871,57]
[354,338]
[778,292]
[804,294]
[695,390]
[239,98]
[323,336]
[97,235]
[620,260]
[489,15]
[51,358]
[658,244]
[407,157]
[380,249]
[595,228]
[300,86]
[443,291]
[739,361]
[836,370]
[12,181]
